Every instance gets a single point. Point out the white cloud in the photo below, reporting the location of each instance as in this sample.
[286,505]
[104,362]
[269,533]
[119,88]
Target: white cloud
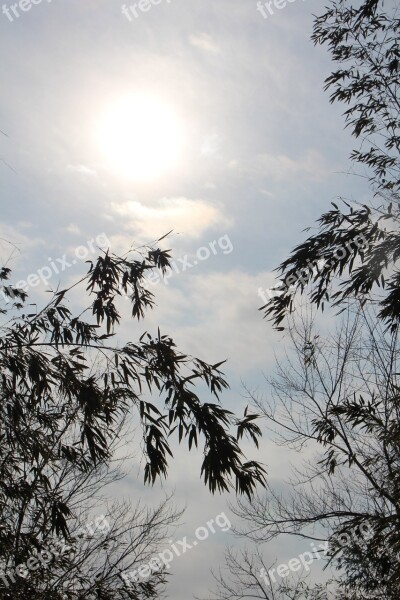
[14,245]
[82,169]
[183,215]
[72,228]
[267,193]
[311,165]
[204,41]
[227,323]
[211,145]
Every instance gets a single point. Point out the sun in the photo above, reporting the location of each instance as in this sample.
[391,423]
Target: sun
[140,137]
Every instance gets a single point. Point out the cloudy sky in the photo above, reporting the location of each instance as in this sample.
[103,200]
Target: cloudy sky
[202,117]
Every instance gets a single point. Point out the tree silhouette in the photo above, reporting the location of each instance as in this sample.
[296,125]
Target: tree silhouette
[355,250]
[67,386]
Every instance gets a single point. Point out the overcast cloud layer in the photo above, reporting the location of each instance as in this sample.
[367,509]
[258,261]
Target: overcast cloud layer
[263,154]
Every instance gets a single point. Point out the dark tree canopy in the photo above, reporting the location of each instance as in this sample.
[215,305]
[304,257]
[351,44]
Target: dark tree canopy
[356,248]
[364,42]
[334,399]
[66,385]
[351,262]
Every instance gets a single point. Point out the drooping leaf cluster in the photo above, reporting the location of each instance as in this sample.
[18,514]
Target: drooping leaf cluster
[363,39]
[342,396]
[353,255]
[357,245]
[67,383]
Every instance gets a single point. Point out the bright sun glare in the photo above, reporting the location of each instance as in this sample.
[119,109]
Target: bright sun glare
[140,137]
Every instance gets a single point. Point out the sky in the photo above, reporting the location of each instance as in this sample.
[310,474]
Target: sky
[124,122]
